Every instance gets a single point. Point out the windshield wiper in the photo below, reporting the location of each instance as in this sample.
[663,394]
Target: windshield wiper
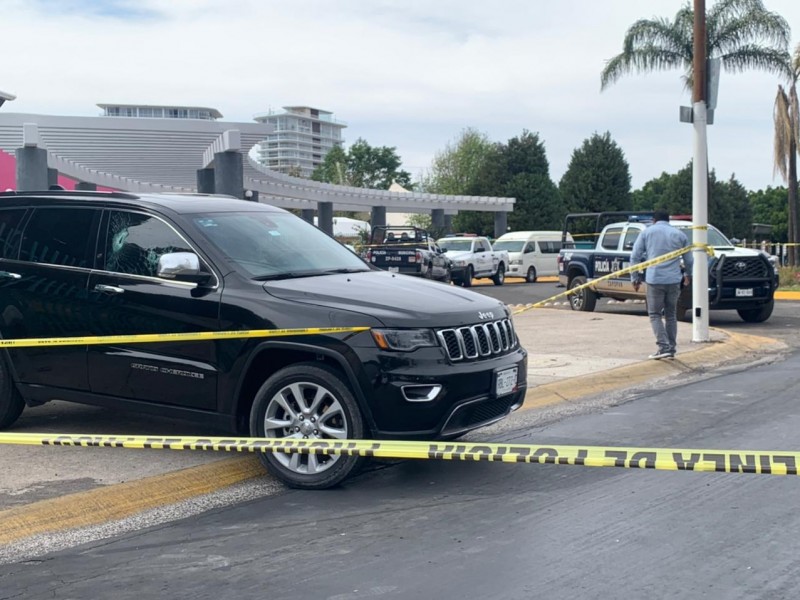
[343,270]
[299,274]
[286,275]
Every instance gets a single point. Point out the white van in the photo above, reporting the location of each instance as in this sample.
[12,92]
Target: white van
[533,254]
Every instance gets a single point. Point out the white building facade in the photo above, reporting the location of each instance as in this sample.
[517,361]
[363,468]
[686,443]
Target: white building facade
[302,137]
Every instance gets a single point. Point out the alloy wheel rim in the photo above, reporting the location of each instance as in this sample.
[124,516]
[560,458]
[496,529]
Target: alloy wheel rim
[305,410]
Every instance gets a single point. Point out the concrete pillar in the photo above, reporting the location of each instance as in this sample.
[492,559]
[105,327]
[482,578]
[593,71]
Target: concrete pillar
[448,224]
[205,181]
[251,195]
[378,216]
[52,177]
[31,168]
[307,214]
[500,223]
[228,174]
[437,219]
[85,185]
[325,217]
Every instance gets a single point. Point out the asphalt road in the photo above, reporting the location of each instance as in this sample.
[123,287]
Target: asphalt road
[783,324]
[493,531]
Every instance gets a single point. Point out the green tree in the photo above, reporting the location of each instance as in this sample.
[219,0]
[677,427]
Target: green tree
[517,169]
[742,33]
[364,166]
[728,205]
[786,115]
[769,207]
[421,220]
[597,178]
[454,170]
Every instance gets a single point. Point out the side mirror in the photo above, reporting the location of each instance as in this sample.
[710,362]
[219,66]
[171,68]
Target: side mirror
[181,266]
[628,246]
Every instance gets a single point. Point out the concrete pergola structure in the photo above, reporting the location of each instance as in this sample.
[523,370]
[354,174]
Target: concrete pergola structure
[205,156]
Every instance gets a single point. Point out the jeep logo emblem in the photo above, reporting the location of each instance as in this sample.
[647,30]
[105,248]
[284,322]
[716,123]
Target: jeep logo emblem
[485,315]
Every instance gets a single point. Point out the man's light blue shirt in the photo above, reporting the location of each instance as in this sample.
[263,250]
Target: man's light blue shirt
[659,239]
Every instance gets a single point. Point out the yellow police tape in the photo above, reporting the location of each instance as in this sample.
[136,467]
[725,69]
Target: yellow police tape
[622,272]
[144,338]
[664,459]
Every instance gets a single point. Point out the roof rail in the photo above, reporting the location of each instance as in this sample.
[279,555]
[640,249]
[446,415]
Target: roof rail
[83,193]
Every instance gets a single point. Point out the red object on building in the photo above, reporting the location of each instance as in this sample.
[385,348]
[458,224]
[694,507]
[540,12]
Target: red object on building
[8,175]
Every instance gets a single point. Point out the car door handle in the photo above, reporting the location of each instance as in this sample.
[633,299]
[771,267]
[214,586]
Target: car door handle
[9,275]
[108,289]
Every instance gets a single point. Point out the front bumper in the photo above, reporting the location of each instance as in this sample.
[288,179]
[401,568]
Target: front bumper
[467,399]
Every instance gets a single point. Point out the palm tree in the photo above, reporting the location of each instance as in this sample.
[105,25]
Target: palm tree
[786,115]
[742,33]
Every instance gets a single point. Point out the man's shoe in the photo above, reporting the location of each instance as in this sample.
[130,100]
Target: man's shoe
[661,354]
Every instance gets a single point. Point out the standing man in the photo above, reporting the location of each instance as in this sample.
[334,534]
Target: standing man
[663,280]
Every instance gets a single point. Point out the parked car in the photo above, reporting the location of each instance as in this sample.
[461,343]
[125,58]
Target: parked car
[738,279]
[474,258]
[436,362]
[408,251]
[532,254]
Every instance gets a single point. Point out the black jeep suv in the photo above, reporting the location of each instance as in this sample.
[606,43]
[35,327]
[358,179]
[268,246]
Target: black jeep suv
[436,362]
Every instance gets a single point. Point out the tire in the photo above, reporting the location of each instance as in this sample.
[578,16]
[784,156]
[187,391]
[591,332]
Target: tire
[583,301]
[530,276]
[11,403]
[279,400]
[467,281]
[448,276]
[757,315]
[499,278]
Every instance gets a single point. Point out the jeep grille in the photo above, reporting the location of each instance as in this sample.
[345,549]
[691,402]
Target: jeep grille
[478,341]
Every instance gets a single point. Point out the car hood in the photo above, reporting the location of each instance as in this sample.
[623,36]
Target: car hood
[455,255]
[395,300]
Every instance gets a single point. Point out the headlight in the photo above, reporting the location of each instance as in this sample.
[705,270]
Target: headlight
[460,263]
[516,261]
[403,340]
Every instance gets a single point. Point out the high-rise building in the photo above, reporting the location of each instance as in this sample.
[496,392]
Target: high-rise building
[147,111]
[302,137]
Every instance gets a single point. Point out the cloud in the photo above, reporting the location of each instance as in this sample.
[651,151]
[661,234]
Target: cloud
[410,75]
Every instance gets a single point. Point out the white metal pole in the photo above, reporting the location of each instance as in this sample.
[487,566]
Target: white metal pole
[700,221]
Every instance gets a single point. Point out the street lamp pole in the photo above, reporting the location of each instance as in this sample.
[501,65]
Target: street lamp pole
[700,179]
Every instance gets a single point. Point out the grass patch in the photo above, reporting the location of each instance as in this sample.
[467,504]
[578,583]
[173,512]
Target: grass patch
[789,279]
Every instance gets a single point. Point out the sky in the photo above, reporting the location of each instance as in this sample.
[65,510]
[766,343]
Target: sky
[412,74]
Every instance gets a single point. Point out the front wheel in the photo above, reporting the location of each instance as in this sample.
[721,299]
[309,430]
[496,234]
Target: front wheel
[499,278]
[583,300]
[307,401]
[467,281]
[757,315]
[530,276]
[11,403]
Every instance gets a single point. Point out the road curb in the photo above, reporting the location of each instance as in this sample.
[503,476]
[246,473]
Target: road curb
[734,347]
[122,500]
[779,295]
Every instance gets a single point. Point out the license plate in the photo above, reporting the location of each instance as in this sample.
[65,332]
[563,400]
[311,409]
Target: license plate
[744,292]
[506,382]
[394,269]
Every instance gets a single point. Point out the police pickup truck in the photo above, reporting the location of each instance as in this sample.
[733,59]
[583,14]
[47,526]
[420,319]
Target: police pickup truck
[474,258]
[739,279]
[408,251]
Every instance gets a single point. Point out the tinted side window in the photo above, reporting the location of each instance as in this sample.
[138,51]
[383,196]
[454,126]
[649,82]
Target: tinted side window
[550,247]
[134,243]
[10,232]
[630,238]
[611,238]
[59,236]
